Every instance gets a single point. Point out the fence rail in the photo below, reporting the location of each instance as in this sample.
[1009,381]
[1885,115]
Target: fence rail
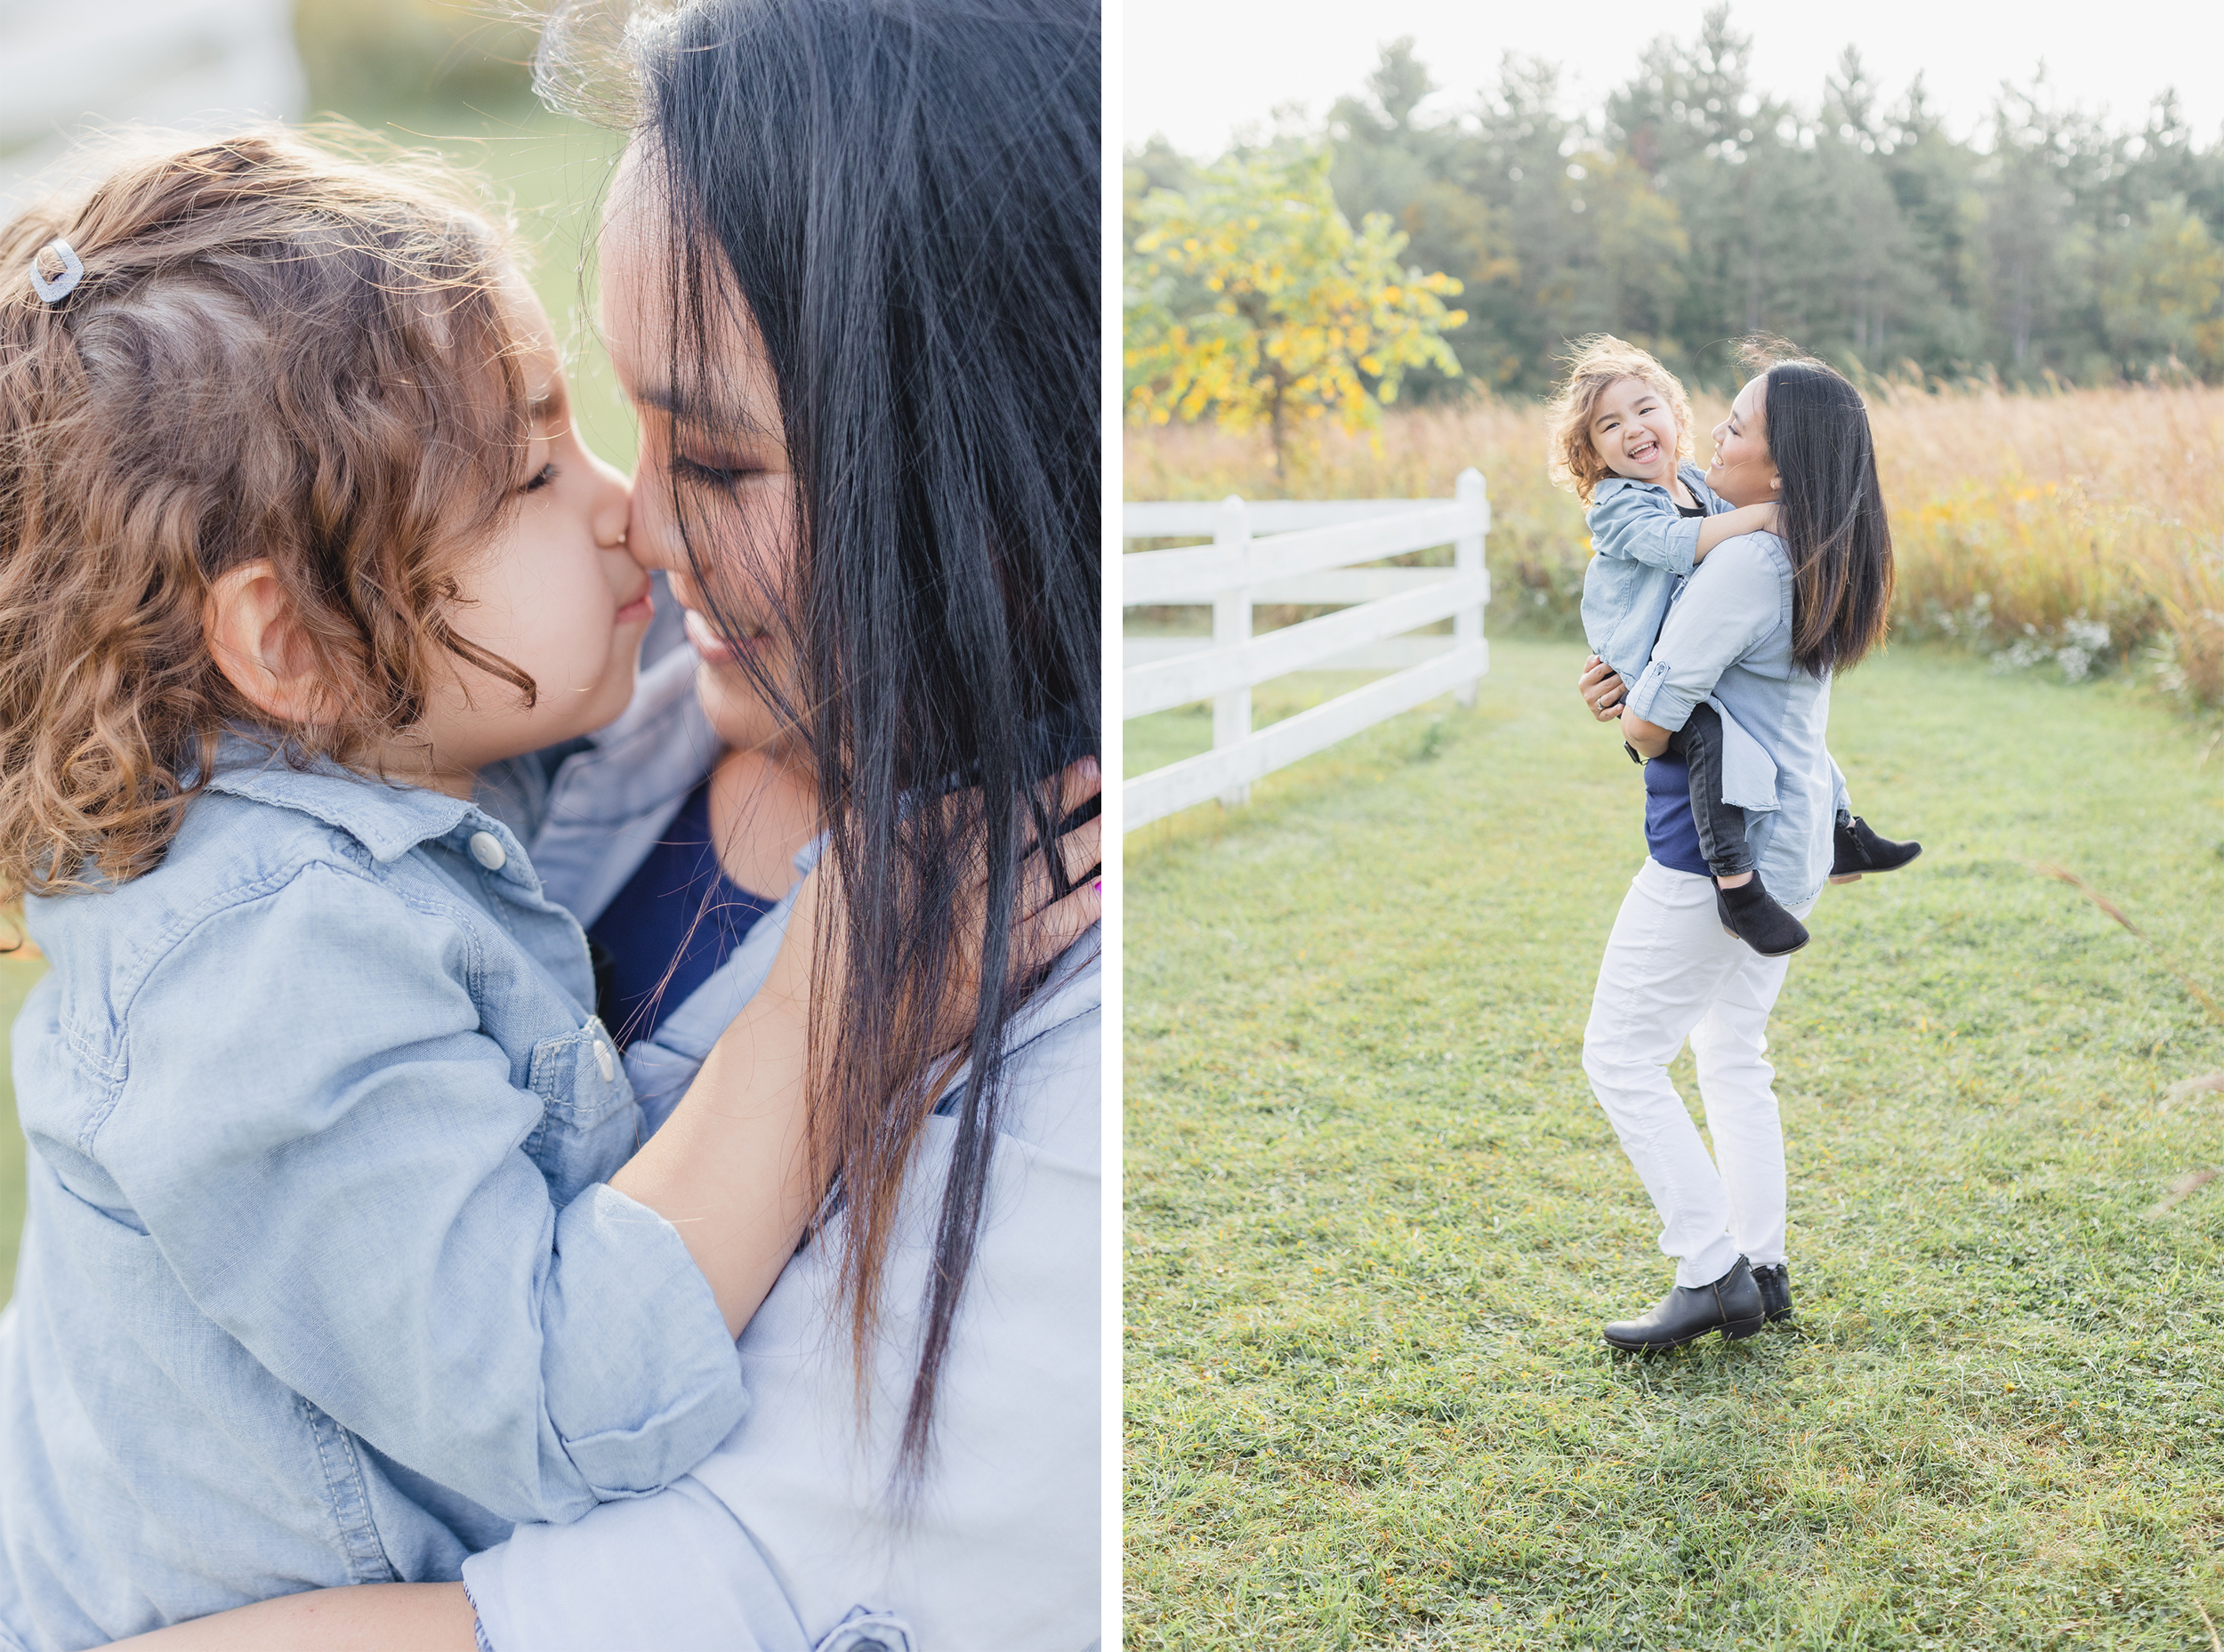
[1298,552]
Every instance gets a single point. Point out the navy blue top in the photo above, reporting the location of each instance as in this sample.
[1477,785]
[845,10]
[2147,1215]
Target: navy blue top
[1672,836]
[677,918]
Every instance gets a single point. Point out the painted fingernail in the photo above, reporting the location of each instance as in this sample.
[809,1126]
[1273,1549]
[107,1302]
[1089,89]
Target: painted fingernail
[1098,886]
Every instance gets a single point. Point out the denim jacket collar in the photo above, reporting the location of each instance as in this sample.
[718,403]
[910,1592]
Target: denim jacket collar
[1689,473]
[387,817]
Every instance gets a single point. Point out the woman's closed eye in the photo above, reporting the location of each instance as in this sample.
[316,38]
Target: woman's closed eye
[540,478]
[709,475]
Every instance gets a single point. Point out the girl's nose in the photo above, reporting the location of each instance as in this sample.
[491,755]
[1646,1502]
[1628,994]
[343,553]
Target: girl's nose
[612,518]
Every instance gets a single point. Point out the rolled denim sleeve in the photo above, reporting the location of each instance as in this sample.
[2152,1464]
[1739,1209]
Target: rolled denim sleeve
[330,1153]
[1731,601]
[676,1571]
[1642,525]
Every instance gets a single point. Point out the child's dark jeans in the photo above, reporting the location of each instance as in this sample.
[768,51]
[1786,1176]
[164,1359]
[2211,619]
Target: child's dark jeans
[1722,825]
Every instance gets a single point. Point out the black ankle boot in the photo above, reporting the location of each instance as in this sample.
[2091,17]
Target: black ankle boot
[1750,912]
[1856,849]
[1776,1292]
[1730,1305]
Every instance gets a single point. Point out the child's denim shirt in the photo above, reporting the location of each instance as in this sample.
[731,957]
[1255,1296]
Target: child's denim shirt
[1641,547]
[319,1283]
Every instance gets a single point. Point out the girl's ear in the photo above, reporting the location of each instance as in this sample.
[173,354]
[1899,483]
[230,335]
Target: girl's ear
[259,645]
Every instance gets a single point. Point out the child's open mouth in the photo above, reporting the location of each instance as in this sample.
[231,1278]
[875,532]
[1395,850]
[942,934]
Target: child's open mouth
[1645,452]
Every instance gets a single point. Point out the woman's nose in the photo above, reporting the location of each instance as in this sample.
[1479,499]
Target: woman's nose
[649,534]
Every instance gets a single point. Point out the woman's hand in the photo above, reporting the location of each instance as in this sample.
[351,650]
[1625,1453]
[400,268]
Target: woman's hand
[1602,690]
[732,1168]
[1045,925]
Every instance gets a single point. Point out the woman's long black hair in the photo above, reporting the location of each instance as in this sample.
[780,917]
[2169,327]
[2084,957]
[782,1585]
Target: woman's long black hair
[1829,509]
[903,195]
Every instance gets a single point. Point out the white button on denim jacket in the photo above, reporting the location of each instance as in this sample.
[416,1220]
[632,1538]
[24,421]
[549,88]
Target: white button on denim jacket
[318,1285]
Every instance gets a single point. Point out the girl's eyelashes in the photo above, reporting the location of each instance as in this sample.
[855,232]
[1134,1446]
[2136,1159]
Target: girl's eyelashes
[541,477]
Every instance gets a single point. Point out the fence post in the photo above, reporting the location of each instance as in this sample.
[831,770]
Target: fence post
[1231,625]
[1467,558]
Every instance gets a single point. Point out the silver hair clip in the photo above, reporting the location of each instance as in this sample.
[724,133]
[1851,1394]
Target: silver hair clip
[63,284]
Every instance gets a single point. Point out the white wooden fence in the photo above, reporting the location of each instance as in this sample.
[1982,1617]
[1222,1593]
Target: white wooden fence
[1298,552]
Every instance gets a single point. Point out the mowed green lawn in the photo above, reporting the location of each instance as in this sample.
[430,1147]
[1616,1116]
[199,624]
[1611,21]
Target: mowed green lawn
[1374,1218]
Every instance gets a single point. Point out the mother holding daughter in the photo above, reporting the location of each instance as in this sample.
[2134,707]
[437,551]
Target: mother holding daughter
[377,1247]
[1760,629]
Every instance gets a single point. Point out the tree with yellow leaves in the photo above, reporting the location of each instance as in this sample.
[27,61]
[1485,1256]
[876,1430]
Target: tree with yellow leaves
[1250,299]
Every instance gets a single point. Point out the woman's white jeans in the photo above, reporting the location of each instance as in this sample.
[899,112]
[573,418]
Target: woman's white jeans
[1670,973]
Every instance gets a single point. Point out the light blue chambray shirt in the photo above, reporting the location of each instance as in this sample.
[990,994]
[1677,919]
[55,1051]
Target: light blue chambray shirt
[319,1284]
[1727,638]
[788,1537]
[1640,546]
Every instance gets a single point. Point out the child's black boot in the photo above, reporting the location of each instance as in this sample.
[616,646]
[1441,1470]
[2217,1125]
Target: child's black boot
[1857,849]
[1751,913]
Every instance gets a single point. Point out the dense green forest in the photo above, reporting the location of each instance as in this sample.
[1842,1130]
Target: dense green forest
[1696,206]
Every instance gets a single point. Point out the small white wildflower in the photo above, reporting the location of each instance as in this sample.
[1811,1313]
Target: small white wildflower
[2090,635]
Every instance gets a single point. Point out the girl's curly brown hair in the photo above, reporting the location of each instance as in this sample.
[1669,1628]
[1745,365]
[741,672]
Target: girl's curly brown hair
[1593,363]
[274,352]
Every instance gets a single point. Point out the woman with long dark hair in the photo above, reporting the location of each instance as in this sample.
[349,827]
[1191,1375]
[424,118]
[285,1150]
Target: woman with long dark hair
[1761,627]
[850,285]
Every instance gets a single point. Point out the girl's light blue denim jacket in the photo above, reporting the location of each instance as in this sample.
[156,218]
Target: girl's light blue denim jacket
[321,1284]
[1727,640]
[1641,547]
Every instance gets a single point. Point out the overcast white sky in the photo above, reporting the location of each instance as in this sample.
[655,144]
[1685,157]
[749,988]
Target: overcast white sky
[1198,69]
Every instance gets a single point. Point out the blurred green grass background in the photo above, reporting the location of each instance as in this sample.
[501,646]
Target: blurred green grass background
[426,76]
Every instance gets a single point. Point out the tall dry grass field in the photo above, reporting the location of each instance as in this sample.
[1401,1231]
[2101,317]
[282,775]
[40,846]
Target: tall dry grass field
[2065,531]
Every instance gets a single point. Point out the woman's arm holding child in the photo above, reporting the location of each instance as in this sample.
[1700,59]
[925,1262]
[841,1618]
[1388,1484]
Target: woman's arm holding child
[1602,690]
[1729,606]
